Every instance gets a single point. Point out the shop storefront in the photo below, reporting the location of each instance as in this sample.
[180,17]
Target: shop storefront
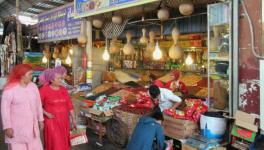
[205,52]
[58,31]
[146,40]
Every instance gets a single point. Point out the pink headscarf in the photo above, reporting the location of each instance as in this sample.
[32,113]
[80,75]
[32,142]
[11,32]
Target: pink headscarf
[47,76]
[60,69]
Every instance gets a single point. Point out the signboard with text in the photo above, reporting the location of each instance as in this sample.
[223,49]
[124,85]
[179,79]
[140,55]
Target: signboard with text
[85,8]
[58,24]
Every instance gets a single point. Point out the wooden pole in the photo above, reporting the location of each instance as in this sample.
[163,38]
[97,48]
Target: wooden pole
[19,32]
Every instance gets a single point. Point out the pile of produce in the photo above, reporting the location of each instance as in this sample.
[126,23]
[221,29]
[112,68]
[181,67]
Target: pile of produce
[193,110]
[202,93]
[104,103]
[101,88]
[190,79]
[141,99]
[138,111]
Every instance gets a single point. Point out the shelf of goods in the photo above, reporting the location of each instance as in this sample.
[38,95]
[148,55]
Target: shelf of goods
[142,59]
[115,111]
[220,55]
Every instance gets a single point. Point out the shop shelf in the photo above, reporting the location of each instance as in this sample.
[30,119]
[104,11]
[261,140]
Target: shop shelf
[219,74]
[219,59]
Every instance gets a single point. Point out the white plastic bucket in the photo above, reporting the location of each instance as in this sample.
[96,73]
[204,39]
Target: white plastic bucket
[213,127]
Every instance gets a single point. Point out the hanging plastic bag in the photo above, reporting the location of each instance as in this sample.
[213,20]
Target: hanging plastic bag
[78,137]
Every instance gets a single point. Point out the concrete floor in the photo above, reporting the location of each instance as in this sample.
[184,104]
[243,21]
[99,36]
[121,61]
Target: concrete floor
[89,146]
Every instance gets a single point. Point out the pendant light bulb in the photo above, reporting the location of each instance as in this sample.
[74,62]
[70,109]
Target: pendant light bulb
[68,60]
[189,60]
[44,59]
[106,55]
[71,51]
[157,54]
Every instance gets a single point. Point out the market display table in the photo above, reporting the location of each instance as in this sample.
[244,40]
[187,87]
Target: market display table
[118,127]
[96,122]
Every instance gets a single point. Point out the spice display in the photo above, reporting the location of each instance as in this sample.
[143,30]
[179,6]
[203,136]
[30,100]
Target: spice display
[102,88]
[202,93]
[191,80]
[122,93]
[127,108]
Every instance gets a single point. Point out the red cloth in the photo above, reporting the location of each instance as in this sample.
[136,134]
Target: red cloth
[176,74]
[159,83]
[182,86]
[56,130]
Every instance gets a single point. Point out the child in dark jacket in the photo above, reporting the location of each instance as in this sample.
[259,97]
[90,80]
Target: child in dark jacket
[148,134]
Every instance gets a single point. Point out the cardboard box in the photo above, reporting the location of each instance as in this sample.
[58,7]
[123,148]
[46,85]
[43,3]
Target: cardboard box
[246,125]
[178,128]
[101,113]
[243,133]
[245,117]
[180,122]
[179,134]
[246,121]
[174,125]
[188,147]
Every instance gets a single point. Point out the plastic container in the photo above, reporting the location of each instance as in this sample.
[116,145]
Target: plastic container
[213,125]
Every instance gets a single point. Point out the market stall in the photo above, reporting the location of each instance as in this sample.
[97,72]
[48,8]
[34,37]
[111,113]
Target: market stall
[143,45]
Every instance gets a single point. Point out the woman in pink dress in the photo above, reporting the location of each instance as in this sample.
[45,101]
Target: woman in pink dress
[57,107]
[21,110]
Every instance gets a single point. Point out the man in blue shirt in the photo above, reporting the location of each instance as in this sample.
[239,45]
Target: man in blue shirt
[148,134]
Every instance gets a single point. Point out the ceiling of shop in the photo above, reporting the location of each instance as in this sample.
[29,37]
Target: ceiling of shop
[150,8]
[28,7]
[34,7]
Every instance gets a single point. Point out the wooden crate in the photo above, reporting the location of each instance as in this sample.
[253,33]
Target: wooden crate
[128,118]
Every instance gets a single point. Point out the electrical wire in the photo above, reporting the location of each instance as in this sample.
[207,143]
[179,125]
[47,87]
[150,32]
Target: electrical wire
[251,31]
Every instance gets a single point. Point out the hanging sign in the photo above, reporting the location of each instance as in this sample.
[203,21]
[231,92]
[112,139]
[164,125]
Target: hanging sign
[58,24]
[85,8]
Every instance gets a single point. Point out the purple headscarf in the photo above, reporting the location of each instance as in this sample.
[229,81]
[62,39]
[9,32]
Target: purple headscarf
[47,76]
[61,70]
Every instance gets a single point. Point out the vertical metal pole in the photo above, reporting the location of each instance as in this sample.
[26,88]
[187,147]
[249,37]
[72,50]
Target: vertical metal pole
[19,36]
[208,55]
[89,48]
[235,62]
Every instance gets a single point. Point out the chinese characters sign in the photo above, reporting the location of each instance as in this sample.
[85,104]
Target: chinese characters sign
[58,24]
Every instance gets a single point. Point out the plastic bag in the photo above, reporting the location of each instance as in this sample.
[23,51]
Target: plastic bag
[78,137]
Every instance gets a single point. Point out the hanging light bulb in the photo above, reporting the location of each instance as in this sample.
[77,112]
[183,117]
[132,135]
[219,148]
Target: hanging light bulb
[157,54]
[106,55]
[68,60]
[44,59]
[71,51]
[189,60]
